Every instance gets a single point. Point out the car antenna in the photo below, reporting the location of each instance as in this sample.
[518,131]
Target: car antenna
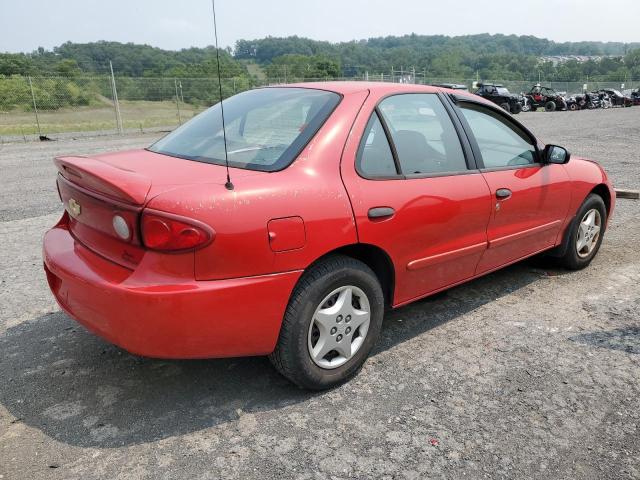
[228,185]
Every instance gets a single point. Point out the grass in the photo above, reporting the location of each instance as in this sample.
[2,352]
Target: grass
[135,114]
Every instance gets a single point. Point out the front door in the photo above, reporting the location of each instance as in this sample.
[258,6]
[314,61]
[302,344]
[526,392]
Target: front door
[414,193]
[530,200]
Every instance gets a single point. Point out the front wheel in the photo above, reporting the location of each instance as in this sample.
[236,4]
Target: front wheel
[550,106]
[505,106]
[516,108]
[585,236]
[332,321]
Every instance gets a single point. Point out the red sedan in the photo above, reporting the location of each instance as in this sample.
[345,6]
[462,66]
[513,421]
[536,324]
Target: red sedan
[345,199]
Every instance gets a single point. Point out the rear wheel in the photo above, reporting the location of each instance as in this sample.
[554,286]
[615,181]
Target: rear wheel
[332,321]
[585,236]
[550,106]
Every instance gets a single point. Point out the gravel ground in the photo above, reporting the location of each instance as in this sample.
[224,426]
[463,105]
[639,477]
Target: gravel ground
[530,372]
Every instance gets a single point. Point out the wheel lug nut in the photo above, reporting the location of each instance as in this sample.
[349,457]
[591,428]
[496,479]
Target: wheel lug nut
[333,330]
[348,319]
[339,318]
[348,330]
[339,337]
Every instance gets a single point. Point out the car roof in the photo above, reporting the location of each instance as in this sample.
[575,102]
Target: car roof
[380,89]
[346,87]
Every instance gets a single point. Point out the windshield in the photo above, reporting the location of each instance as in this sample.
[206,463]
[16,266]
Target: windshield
[502,91]
[266,128]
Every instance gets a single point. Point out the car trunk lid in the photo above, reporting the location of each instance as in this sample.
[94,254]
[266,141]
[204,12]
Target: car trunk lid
[94,190]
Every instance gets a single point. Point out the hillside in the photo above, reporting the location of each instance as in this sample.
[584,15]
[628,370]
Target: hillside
[508,57]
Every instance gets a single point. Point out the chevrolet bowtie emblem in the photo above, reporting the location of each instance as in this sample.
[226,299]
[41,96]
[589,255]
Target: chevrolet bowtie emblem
[74,207]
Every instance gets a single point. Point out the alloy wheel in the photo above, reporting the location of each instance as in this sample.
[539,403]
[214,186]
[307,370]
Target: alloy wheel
[588,233]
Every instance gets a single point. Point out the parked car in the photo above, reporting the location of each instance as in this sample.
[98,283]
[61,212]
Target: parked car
[617,98]
[451,86]
[501,96]
[545,97]
[341,200]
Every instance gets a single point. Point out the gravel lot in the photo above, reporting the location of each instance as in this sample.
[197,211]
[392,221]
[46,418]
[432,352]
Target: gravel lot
[531,372]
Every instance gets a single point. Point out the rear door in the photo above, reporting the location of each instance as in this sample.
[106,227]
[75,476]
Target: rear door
[416,192]
[530,199]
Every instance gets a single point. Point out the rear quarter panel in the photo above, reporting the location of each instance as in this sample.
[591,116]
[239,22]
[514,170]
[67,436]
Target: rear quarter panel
[310,188]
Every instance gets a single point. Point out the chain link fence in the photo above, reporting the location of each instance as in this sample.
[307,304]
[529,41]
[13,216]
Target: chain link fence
[33,107]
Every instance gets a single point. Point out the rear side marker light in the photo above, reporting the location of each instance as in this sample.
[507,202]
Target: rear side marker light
[121,227]
[166,232]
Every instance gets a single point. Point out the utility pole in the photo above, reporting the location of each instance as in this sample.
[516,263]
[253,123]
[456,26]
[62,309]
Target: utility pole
[175,83]
[116,104]
[35,107]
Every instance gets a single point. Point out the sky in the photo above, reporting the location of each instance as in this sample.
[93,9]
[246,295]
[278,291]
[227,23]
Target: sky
[26,25]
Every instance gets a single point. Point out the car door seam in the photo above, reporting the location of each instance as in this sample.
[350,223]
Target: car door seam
[344,185]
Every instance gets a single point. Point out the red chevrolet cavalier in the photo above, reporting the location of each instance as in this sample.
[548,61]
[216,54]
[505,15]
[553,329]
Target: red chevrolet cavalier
[346,199]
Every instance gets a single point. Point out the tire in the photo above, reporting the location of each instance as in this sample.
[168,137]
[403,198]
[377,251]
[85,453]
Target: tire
[575,258]
[573,107]
[505,106]
[292,356]
[550,106]
[516,108]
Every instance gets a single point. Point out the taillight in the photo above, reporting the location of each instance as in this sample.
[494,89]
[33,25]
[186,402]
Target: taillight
[166,232]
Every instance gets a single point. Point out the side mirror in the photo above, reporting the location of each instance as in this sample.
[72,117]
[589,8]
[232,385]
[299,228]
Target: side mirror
[555,154]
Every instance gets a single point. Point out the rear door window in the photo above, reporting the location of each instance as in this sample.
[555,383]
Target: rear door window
[375,158]
[423,134]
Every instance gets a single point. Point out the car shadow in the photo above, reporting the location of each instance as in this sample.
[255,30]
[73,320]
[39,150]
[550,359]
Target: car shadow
[625,339]
[77,389]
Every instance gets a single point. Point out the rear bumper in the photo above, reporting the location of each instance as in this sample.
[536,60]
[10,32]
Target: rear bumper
[156,316]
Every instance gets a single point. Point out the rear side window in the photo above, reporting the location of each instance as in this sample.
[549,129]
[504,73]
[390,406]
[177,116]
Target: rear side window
[266,128]
[423,134]
[374,157]
[501,143]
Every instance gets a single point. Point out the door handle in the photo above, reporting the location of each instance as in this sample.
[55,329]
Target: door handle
[380,212]
[503,193]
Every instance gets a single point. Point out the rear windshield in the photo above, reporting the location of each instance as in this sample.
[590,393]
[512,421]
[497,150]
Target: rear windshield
[266,128]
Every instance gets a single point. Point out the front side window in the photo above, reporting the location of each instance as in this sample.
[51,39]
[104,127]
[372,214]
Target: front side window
[266,128]
[501,143]
[423,134]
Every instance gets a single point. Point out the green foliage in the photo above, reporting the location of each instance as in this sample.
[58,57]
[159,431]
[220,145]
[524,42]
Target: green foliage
[303,67]
[77,74]
[507,57]
[50,93]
